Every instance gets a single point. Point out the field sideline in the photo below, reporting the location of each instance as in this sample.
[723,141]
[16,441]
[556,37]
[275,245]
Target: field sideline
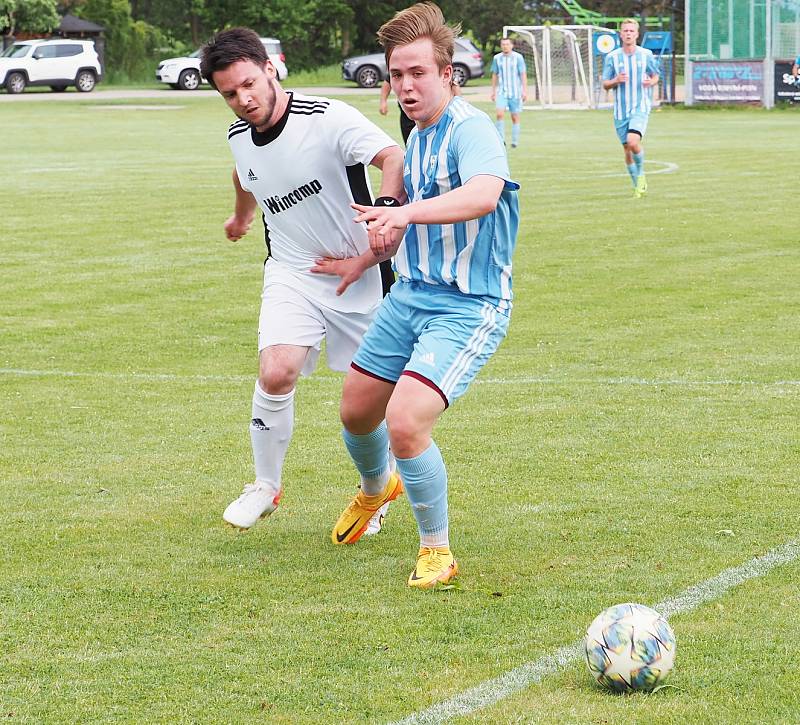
[635,436]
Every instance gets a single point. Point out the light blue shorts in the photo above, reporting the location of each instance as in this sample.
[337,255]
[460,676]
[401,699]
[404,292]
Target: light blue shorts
[634,122]
[512,104]
[433,333]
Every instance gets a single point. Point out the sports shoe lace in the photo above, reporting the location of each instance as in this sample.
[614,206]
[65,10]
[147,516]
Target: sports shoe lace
[430,558]
[249,488]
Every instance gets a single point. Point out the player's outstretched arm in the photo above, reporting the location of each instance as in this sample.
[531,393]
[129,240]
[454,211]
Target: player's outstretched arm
[390,162]
[349,269]
[477,198]
[239,222]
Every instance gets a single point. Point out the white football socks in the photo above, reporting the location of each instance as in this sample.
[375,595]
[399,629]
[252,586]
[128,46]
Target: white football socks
[270,433]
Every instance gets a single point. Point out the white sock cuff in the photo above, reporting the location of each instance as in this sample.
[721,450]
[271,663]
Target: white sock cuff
[271,402]
[437,539]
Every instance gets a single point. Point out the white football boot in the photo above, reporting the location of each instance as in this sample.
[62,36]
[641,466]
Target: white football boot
[376,522]
[256,502]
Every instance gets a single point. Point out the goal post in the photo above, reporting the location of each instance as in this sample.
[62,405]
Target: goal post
[563,61]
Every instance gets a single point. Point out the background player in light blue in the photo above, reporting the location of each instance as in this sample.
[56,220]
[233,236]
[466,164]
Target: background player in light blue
[631,71]
[509,87]
[449,309]
[796,69]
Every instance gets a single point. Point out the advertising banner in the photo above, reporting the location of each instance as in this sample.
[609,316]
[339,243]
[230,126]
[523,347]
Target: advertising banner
[787,88]
[728,81]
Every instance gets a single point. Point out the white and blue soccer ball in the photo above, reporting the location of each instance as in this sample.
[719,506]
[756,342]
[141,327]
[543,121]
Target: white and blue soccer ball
[630,647]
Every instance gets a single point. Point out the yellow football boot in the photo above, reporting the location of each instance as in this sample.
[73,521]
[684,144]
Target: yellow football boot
[434,566]
[356,517]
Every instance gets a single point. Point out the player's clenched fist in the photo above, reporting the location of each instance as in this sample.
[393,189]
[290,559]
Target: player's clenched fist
[236,227]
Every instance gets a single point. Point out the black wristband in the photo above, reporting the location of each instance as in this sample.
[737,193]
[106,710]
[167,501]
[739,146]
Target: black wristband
[386,201]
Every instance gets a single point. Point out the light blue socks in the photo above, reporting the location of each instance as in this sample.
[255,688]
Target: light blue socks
[370,453]
[425,483]
[639,160]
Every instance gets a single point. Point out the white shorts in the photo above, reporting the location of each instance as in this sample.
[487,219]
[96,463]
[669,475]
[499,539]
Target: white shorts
[288,317]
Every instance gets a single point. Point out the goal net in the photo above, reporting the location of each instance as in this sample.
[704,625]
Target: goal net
[564,65]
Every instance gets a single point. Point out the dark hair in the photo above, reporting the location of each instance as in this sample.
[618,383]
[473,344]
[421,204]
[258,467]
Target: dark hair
[228,46]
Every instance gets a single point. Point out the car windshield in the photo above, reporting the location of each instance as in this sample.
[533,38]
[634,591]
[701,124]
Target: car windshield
[196,54]
[17,50]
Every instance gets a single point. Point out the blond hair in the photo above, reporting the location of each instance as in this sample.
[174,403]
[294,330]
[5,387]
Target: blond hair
[629,21]
[423,20]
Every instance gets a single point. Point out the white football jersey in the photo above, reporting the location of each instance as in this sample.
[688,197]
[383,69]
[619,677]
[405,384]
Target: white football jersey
[304,173]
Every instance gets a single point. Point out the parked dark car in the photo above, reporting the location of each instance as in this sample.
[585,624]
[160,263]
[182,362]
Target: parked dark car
[369,70]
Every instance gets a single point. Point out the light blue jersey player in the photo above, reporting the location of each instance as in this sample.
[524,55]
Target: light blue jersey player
[449,309]
[631,71]
[796,70]
[509,87]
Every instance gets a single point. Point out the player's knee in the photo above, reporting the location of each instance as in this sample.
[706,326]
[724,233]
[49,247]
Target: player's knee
[357,414]
[350,414]
[277,380]
[405,432]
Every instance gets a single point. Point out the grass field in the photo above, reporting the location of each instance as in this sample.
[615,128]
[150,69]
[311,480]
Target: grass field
[635,435]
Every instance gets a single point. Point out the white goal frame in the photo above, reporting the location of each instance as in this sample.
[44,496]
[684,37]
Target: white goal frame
[585,88]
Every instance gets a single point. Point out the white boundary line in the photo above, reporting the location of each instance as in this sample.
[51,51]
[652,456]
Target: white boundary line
[669,168]
[492,691]
[323,378]
[125,375]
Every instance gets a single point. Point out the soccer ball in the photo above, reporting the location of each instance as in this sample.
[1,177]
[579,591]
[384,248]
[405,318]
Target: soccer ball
[630,647]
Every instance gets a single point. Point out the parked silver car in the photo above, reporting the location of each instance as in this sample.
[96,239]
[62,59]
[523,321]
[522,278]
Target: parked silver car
[369,70]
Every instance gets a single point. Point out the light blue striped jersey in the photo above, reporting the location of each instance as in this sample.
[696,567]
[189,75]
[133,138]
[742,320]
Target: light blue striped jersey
[508,69]
[631,97]
[475,255]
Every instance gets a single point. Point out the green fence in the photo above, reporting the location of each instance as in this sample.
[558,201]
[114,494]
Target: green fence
[785,28]
[742,29]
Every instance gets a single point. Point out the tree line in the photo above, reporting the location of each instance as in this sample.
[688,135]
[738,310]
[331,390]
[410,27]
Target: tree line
[313,33]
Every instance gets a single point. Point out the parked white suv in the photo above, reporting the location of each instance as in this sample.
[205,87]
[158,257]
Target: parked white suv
[184,73]
[55,63]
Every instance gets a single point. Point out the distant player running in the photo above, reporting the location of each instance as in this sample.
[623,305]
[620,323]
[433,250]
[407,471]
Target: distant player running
[302,159]
[631,71]
[509,88]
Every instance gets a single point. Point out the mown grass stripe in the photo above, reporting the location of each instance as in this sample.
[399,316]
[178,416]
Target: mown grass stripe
[525,380]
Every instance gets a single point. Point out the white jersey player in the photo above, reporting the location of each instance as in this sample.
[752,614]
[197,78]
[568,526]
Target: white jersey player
[301,160]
